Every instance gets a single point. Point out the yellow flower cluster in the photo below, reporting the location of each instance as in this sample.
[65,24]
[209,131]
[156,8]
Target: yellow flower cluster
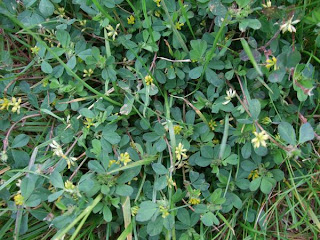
[35,49]
[194,196]
[254,174]
[148,79]
[260,139]
[164,211]
[212,124]
[180,152]
[87,73]
[272,63]
[89,122]
[69,186]
[125,158]
[14,103]
[266,121]
[157,2]
[177,129]
[131,19]
[134,210]
[179,25]
[18,199]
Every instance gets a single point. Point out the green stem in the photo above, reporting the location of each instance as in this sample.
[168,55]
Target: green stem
[225,136]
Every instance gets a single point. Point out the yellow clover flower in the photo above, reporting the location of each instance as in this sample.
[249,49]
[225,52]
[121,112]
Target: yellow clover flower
[288,25]
[131,19]
[148,79]
[267,5]
[254,174]
[177,129]
[125,158]
[260,139]
[4,104]
[157,2]
[272,63]
[179,25]
[69,186]
[87,73]
[212,124]
[180,152]
[89,122]
[164,211]
[15,105]
[35,49]
[18,199]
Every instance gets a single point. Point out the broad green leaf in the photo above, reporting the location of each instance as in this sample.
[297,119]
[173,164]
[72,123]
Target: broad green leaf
[306,133]
[20,141]
[146,211]
[287,133]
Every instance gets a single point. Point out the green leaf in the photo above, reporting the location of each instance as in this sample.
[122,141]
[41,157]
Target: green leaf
[306,133]
[159,168]
[266,186]
[155,227]
[56,180]
[199,48]
[277,76]
[110,135]
[209,219]
[46,8]
[287,133]
[196,72]
[160,183]
[87,113]
[46,67]
[254,185]
[107,214]
[146,211]
[124,190]
[251,23]
[63,37]
[54,196]
[20,141]
[255,108]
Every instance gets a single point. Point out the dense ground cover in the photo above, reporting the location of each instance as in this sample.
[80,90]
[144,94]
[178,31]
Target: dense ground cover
[159,119]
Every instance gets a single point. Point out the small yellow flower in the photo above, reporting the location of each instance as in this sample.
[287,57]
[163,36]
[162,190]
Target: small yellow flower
[194,195]
[4,104]
[112,32]
[157,2]
[272,62]
[177,129]
[35,49]
[125,158]
[179,25]
[148,79]
[212,124]
[131,19]
[87,73]
[194,201]
[215,141]
[157,13]
[18,199]
[180,152]
[60,12]
[164,211]
[134,210]
[70,161]
[254,174]
[266,121]
[89,122]
[69,186]
[267,5]
[230,94]
[15,105]
[260,139]
[57,149]
[288,25]
[113,162]
[83,22]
